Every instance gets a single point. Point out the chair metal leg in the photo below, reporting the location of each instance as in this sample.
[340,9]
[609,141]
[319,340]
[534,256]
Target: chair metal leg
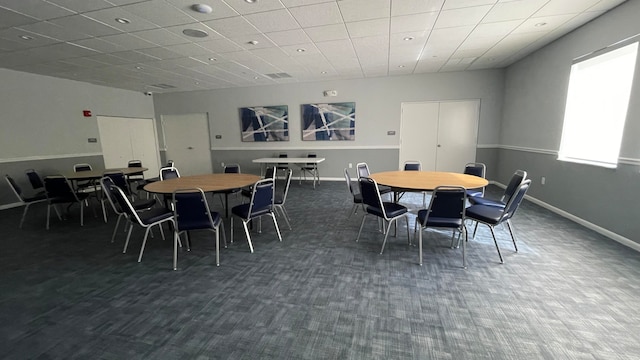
[275,223]
[496,242]
[513,236]
[175,248]
[48,215]
[464,246]
[24,214]
[224,235]
[246,231]
[361,225]
[126,242]
[420,244]
[284,215]
[82,215]
[218,246]
[144,242]
[115,229]
[386,235]
[231,230]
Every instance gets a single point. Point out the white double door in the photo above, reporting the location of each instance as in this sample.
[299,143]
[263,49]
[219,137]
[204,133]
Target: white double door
[187,143]
[123,139]
[442,135]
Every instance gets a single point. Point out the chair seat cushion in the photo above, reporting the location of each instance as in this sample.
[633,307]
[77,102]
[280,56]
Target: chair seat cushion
[434,221]
[484,213]
[357,198]
[477,200]
[143,204]
[243,211]
[391,209]
[474,193]
[155,215]
[384,189]
[195,224]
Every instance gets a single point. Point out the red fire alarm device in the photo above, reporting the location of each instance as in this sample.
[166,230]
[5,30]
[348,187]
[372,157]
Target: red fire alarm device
[86,113]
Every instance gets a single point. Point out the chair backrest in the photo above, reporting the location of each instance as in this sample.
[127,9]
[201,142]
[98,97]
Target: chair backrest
[169,173]
[119,180]
[14,186]
[170,163]
[412,165]
[516,179]
[476,169]
[261,198]
[58,186]
[371,194]
[514,202]
[270,173]
[363,170]
[106,183]
[447,202]
[311,155]
[34,179]
[347,178]
[134,163]
[283,165]
[124,204]
[286,188]
[81,167]
[232,168]
[191,210]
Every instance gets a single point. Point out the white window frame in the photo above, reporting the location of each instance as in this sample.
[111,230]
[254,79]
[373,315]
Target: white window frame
[597,103]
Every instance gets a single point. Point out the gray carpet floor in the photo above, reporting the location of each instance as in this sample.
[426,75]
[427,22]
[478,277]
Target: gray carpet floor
[69,293]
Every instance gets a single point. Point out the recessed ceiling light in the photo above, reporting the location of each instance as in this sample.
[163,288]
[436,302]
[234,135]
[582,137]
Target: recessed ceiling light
[540,24]
[324,72]
[256,77]
[195,33]
[26,37]
[197,83]
[253,42]
[201,8]
[251,1]
[301,50]
[139,67]
[400,66]
[122,21]
[213,59]
[408,38]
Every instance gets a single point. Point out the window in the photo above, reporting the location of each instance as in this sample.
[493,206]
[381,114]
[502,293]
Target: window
[596,108]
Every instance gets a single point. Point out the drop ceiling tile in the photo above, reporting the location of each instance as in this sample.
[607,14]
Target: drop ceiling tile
[220,46]
[9,45]
[135,56]
[289,37]
[327,32]
[550,23]
[160,37]
[107,59]
[14,34]
[317,15]
[159,12]
[358,10]
[220,9]
[234,26]
[605,5]
[100,45]
[368,28]
[128,41]
[292,3]
[188,49]
[449,37]
[244,8]
[178,30]
[459,4]
[10,18]
[564,7]
[85,62]
[461,17]
[494,29]
[504,11]
[51,30]
[244,41]
[109,16]
[337,49]
[292,50]
[415,22]
[82,6]
[36,8]
[276,20]
[85,25]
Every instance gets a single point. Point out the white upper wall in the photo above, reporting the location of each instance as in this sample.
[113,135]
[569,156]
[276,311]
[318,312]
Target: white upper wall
[377,105]
[42,116]
[536,87]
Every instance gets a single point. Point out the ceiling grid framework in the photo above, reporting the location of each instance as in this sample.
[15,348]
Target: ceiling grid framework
[141,45]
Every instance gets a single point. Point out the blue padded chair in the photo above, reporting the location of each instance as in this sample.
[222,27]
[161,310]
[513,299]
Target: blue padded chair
[311,169]
[169,172]
[25,200]
[145,219]
[390,212]
[357,197]
[363,171]
[479,170]
[280,198]
[191,212]
[36,181]
[60,191]
[261,204]
[270,173]
[412,165]
[86,185]
[283,166]
[229,169]
[446,210]
[516,179]
[106,184]
[493,215]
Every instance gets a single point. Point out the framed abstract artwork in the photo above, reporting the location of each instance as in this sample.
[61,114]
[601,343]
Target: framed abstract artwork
[265,123]
[332,122]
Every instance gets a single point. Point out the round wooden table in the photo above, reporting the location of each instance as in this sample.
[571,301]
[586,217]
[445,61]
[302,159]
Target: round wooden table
[426,180]
[207,182]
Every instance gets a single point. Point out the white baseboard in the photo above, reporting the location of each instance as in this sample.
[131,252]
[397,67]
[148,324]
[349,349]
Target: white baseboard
[589,225]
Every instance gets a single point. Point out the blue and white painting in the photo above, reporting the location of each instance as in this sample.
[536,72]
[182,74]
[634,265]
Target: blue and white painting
[265,123]
[336,121]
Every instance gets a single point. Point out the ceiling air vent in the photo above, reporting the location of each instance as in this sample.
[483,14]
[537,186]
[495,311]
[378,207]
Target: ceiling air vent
[278,75]
[163,86]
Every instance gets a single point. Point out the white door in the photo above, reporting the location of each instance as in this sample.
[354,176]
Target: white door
[187,142]
[442,135]
[124,139]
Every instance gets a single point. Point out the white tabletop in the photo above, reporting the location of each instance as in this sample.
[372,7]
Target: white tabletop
[289,160]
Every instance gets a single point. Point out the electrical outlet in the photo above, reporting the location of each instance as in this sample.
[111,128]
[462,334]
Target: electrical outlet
[543,180]
[350,166]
